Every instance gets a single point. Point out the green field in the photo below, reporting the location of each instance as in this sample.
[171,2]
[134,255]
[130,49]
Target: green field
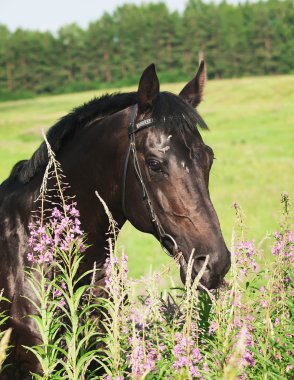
[251,122]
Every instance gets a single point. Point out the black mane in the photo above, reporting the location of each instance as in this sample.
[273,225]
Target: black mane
[66,126]
[167,107]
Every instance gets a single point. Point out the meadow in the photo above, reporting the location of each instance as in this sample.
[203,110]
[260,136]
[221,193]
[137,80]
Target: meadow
[251,131]
[152,327]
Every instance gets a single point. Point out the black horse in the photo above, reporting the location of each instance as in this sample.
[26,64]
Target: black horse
[144,155]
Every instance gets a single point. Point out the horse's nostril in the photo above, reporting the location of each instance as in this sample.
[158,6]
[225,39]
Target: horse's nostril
[200,261]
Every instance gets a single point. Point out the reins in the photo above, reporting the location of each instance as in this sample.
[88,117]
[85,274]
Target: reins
[132,130]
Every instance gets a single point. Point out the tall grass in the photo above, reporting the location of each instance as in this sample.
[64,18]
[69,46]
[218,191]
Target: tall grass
[243,330]
[4,334]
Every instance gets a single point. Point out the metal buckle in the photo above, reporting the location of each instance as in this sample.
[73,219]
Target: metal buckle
[169,237]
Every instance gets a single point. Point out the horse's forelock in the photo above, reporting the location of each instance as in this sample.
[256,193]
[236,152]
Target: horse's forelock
[179,114]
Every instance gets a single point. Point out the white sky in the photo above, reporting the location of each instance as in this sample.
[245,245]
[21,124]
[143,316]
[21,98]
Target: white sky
[52,14]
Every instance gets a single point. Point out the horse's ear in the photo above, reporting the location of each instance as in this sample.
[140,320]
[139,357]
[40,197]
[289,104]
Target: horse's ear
[192,93]
[148,88]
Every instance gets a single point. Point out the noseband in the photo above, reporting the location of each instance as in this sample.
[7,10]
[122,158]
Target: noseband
[134,128]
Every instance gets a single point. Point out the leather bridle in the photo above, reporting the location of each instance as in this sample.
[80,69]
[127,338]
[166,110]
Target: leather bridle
[134,128]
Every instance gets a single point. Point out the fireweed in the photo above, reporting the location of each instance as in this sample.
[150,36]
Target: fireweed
[64,306]
[243,330]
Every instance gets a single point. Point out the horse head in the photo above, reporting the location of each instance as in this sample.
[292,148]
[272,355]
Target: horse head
[166,177]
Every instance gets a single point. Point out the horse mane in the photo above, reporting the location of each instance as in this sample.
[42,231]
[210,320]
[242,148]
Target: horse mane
[66,127]
[180,115]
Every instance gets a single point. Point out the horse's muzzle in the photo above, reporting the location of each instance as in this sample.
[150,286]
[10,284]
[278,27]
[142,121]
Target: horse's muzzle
[212,272]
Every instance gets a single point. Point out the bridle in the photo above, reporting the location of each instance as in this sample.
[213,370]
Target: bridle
[134,128]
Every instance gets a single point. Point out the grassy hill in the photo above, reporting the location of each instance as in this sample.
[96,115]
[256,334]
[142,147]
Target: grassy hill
[251,122]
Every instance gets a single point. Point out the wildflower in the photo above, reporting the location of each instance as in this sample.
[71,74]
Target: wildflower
[237,322]
[245,253]
[161,347]
[150,365]
[137,358]
[125,263]
[262,289]
[284,245]
[181,362]
[81,245]
[194,371]
[31,257]
[248,357]
[213,327]
[56,213]
[74,212]
[237,300]
[57,293]
[62,302]
[264,304]
[59,231]
[196,355]
[65,222]
[186,355]
[205,367]
[31,226]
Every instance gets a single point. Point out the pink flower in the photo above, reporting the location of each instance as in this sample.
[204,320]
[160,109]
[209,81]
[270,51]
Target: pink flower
[262,289]
[181,362]
[194,371]
[56,213]
[57,293]
[245,253]
[31,257]
[62,302]
[248,357]
[196,355]
[213,327]
[74,212]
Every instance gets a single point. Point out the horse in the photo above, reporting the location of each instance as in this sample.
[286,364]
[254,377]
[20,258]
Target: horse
[143,152]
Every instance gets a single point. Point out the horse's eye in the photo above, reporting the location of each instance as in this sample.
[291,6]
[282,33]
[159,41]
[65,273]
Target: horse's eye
[154,165]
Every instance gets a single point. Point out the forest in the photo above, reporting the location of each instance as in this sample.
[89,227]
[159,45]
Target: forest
[245,39]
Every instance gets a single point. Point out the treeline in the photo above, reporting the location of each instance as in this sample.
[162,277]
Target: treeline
[237,40]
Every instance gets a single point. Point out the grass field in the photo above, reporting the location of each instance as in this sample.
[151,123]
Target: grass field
[251,122]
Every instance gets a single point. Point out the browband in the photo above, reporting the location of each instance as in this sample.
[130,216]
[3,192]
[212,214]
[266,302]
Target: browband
[134,128]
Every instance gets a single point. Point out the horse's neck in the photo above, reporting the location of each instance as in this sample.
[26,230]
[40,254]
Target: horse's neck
[93,163]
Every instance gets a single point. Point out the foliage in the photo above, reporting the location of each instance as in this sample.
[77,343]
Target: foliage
[4,334]
[64,305]
[250,38]
[243,330]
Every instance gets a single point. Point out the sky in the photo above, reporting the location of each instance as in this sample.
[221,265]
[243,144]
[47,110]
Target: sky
[52,14]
